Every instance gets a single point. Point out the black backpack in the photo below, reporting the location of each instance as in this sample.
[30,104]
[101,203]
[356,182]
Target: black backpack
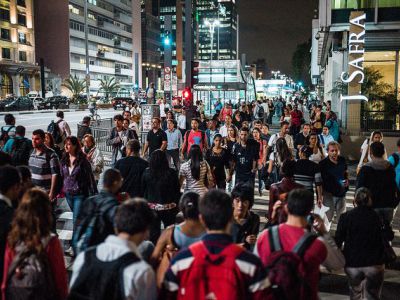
[101,280]
[4,137]
[286,270]
[55,131]
[260,113]
[20,152]
[30,277]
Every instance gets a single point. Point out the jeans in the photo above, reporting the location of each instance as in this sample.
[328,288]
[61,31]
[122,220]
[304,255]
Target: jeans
[174,155]
[74,203]
[250,180]
[365,282]
[335,204]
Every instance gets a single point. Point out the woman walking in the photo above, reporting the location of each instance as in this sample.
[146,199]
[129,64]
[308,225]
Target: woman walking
[277,158]
[318,152]
[218,159]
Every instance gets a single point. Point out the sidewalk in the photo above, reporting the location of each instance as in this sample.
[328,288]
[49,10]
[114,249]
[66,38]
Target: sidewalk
[31,112]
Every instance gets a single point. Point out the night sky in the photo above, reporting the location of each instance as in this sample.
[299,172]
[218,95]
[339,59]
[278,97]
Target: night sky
[271,29]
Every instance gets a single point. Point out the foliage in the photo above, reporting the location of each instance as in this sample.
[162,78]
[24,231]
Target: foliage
[75,85]
[381,95]
[301,61]
[108,86]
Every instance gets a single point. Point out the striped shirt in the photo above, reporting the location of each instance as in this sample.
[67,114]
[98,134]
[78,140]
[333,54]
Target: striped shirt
[307,173]
[43,166]
[192,184]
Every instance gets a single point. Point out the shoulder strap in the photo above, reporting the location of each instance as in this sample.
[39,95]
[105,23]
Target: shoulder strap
[274,241]
[304,243]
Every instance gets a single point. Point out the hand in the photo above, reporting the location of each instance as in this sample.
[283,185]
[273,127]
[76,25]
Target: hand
[229,178]
[254,170]
[319,225]
[319,202]
[52,197]
[278,204]
[251,239]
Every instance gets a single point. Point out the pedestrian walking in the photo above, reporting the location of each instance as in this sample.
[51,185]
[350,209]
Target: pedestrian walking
[318,152]
[84,128]
[93,155]
[156,138]
[19,147]
[218,160]
[174,143]
[376,136]
[7,131]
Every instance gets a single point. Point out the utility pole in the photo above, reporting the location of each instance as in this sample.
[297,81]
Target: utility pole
[188,42]
[87,78]
[168,42]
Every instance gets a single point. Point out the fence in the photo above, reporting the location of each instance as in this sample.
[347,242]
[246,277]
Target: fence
[379,120]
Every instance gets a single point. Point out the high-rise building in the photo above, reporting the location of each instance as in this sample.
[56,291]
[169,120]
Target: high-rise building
[61,39]
[18,71]
[225,35]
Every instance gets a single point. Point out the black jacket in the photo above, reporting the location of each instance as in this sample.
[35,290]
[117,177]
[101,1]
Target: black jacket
[360,230]
[6,216]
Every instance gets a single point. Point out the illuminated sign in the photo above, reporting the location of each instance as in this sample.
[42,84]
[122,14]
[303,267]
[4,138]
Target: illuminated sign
[355,76]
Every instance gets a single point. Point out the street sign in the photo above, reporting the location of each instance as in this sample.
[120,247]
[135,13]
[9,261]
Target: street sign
[167,70]
[167,79]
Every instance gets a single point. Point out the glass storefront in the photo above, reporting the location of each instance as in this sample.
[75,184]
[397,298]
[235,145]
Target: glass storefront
[361,4]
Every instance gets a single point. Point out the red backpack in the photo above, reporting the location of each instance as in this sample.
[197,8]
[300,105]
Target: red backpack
[286,271]
[213,276]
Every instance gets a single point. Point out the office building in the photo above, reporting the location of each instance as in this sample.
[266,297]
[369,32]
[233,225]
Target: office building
[18,71]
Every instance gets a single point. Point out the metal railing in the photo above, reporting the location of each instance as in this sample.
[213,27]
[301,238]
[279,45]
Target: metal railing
[379,120]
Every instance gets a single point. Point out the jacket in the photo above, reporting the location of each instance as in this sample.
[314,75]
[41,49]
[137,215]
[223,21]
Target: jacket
[96,159]
[118,144]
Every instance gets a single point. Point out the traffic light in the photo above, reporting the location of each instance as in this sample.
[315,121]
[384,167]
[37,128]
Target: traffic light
[195,72]
[167,38]
[187,97]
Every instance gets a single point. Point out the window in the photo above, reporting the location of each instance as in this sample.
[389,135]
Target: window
[94,2]
[76,26]
[21,3]
[352,4]
[389,3]
[4,14]
[5,34]
[22,38]
[91,16]
[22,19]
[6,53]
[22,55]
[73,9]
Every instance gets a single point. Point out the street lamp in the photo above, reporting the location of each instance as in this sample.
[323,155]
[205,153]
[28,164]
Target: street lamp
[260,74]
[276,73]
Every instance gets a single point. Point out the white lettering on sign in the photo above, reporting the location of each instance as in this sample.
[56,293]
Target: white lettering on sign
[355,75]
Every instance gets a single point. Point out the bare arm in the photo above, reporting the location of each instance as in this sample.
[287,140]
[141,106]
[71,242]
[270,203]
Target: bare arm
[163,145]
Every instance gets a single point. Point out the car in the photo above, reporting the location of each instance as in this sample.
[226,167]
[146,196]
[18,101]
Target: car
[6,101]
[56,102]
[121,102]
[19,103]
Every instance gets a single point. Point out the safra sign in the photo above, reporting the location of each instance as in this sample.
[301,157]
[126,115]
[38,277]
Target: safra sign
[355,75]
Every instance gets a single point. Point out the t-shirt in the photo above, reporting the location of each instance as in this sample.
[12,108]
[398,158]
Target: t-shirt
[194,138]
[155,139]
[192,184]
[306,173]
[243,158]
[333,176]
[397,168]
[289,236]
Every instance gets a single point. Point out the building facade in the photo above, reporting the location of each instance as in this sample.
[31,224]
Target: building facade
[331,43]
[18,70]
[225,40]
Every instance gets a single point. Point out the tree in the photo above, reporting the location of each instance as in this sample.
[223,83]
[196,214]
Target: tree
[301,61]
[75,86]
[108,86]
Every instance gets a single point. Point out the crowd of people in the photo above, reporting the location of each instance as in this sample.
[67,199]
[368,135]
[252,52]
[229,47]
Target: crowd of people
[172,217]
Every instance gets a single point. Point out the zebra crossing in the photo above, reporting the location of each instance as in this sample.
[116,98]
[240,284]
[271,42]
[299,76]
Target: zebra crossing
[333,286]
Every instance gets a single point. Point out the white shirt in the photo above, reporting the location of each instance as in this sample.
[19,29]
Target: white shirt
[223,131]
[139,277]
[181,121]
[64,127]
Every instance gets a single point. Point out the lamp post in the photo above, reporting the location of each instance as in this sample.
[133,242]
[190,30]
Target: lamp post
[211,26]
[87,78]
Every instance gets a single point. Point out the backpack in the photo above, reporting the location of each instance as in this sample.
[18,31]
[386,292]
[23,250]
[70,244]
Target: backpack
[260,112]
[55,131]
[92,227]
[30,277]
[396,159]
[101,280]
[20,152]
[4,137]
[286,270]
[213,276]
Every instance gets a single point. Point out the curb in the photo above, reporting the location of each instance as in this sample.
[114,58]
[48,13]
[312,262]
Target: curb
[38,112]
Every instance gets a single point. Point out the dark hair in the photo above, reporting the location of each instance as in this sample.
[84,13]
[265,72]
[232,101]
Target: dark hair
[9,176]
[9,119]
[196,120]
[133,216]
[266,125]
[377,149]
[157,118]
[126,119]
[283,123]
[282,150]
[317,139]
[258,122]
[300,202]
[32,221]
[258,130]
[118,117]
[111,176]
[133,145]
[158,163]
[363,197]
[189,205]
[24,173]
[306,151]
[5,158]
[195,157]
[60,114]
[80,156]
[20,130]
[86,120]
[217,135]
[244,129]
[216,209]
[127,111]
[288,168]
[40,133]
[244,192]
[234,130]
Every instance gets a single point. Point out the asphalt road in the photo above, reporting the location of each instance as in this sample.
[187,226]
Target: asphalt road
[41,119]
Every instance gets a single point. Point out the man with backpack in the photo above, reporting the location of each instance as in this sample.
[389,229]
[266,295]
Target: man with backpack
[215,267]
[7,131]
[114,269]
[258,111]
[291,249]
[194,137]
[59,129]
[19,147]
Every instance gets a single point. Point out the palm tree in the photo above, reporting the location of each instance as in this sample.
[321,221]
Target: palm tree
[108,86]
[75,86]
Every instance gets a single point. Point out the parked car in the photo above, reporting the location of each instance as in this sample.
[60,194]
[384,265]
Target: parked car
[121,102]
[19,103]
[6,101]
[55,102]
